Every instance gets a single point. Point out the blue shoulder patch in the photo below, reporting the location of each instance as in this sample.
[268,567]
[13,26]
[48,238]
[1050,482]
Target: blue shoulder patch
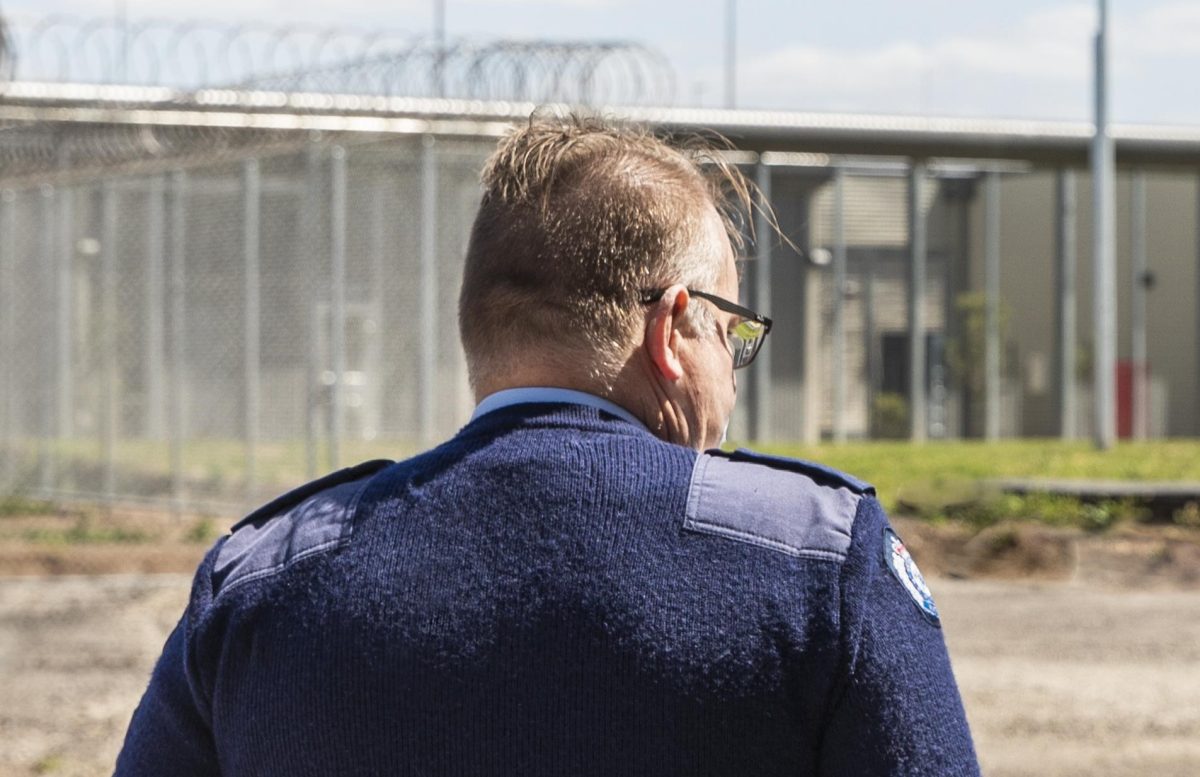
[307,520]
[818,472]
[787,505]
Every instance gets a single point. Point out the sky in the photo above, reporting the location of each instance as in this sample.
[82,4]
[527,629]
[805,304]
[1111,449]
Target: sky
[1013,59]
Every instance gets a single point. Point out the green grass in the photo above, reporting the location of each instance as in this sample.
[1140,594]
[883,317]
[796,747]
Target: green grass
[890,466]
[939,480]
[935,480]
[15,504]
[85,532]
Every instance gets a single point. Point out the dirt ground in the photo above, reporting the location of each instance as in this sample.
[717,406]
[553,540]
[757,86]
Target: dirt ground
[1076,654]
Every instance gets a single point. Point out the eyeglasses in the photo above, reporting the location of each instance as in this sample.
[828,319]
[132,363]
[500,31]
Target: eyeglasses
[745,335]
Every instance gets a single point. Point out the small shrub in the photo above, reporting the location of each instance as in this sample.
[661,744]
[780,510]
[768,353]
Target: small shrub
[889,416]
[203,530]
[1188,515]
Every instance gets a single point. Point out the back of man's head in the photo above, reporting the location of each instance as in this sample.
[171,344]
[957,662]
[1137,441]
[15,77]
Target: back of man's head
[578,219]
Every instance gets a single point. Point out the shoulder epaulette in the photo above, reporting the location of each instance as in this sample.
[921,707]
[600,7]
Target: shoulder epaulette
[791,506]
[297,495]
[818,472]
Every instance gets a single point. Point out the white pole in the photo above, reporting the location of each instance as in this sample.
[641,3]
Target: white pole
[252,325]
[917,248]
[991,315]
[839,304]
[1065,285]
[1102,246]
[427,347]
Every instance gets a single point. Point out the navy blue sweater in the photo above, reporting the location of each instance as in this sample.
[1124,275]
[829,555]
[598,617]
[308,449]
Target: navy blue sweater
[557,592]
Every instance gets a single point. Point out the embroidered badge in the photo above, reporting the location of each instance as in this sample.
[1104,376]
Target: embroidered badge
[904,569]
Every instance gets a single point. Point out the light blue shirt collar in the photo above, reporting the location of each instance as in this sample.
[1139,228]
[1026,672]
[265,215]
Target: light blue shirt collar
[535,394]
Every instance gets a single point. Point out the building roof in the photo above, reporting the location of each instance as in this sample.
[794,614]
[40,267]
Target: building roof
[1042,143]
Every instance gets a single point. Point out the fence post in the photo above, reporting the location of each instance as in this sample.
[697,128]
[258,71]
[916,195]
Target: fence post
[310,216]
[377,291]
[991,309]
[47,476]
[8,336]
[65,265]
[251,204]
[916,303]
[337,307]
[428,308]
[1065,290]
[108,335]
[155,369]
[178,421]
[839,304]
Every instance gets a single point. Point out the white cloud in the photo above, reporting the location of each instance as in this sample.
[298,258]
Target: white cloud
[1164,30]
[906,76]
[1039,67]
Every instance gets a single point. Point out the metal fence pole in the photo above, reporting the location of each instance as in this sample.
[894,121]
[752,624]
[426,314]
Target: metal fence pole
[378,284]
[870,340]
[762,300]
[108,335]
[310,213]
[1139,399]
[65,309]
[916,303]
[8,335]
[178,268]
[252,332]
[1065,292]
[428,308]
[155,370]
[991,305]
[1104,307]
[47,476]
[839,304]
[337,308]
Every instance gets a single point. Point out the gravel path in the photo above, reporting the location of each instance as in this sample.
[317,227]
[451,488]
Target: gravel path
[1057,679]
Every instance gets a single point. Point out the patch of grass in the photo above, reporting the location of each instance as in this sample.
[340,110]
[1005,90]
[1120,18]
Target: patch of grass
[202,531]
[945,480]
[17,505]
[48,764]
[981,508]
[85,532]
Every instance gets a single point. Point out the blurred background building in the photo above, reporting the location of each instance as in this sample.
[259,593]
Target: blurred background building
[230,255]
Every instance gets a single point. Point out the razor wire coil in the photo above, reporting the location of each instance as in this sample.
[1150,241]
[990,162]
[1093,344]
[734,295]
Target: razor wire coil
[308,58]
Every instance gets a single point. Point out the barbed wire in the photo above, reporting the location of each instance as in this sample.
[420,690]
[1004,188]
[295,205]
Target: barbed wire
[608,73]
[197,54]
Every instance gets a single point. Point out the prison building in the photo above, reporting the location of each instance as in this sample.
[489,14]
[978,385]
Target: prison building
[194,278]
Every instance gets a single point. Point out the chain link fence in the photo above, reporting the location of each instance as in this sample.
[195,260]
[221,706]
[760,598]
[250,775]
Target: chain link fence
[200,317]
[205,335]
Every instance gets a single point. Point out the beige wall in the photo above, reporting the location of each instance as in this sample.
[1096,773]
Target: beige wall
[1027,247]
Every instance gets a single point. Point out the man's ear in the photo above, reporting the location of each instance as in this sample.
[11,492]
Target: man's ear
[662,332]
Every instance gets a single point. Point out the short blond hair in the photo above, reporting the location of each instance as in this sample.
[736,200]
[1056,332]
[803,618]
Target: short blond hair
[579,218]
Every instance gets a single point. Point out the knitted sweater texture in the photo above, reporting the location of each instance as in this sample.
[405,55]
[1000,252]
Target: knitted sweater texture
[549,593]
